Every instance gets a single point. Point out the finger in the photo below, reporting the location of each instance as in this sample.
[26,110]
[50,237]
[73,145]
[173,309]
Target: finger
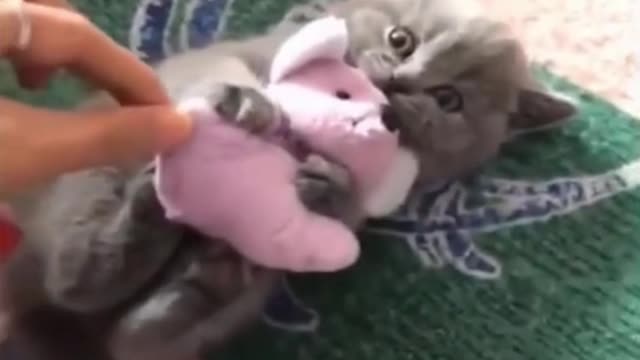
[67,39]
[54,3]
[46,143]
[115,137]
[126,77]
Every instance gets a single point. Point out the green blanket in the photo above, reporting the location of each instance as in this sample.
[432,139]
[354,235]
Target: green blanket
[536,258]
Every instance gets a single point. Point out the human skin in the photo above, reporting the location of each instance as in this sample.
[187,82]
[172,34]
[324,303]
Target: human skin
[37,145]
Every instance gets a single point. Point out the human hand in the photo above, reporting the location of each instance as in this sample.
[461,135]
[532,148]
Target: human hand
[37,144]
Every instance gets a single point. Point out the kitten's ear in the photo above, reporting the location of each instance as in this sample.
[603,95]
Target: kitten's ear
[539,110]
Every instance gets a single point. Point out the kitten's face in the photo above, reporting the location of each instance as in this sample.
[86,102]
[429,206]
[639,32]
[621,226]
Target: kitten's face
[458,84]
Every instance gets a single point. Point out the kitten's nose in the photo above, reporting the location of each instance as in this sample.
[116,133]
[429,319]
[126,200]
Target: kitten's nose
[388,118]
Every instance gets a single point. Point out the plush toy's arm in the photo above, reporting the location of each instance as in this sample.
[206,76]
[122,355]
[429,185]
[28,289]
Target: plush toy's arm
[108,237]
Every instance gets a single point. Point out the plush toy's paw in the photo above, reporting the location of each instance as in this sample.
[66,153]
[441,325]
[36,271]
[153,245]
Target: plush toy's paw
[245,107]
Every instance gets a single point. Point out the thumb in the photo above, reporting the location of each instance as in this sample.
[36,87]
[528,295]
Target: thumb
[114,137]
[47,143]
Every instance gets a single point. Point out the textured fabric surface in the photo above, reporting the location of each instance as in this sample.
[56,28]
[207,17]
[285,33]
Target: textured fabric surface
[536,258]
[594,42]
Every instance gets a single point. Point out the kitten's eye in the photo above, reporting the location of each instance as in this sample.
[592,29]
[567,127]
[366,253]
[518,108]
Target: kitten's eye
[447,97]
[402,40]
[342,95]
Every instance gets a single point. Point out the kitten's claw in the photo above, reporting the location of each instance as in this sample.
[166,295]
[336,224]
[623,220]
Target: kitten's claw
[245,107]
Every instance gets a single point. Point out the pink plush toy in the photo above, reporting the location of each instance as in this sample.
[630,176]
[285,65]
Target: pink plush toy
[233,185]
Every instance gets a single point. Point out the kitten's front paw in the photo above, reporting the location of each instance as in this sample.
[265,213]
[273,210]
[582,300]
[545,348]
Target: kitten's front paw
[302,14]
[245,107]
[318,167]
[326,188]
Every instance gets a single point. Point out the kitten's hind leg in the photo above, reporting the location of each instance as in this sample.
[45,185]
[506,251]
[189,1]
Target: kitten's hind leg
[108,242]
[51,334]
[214,296]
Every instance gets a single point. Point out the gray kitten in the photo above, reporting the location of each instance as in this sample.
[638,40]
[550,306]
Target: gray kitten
[459,83]
[459,87]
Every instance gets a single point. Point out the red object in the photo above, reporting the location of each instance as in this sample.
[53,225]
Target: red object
[9,238]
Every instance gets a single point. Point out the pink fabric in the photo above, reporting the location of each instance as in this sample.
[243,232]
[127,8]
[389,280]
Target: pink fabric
[235,186]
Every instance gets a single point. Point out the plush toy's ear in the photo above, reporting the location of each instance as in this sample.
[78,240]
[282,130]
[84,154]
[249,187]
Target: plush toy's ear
[324,38]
